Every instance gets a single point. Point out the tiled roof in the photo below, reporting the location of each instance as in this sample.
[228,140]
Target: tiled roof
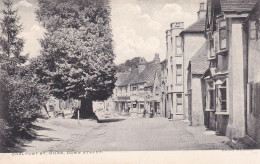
[237,5]
[198,26]
[149,69]
[121,77]
[199,63]
[132,75]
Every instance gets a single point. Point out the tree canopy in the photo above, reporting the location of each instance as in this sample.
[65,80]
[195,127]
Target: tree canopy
[21,96]
[129,64]
[77,48]
[11,45]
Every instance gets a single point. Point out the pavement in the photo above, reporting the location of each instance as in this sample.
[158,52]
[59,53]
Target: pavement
[122,134]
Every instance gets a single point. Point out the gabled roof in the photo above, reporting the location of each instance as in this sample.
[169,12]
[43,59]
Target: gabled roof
[121,77]
[237,5]
[149,69]
[132,75]
[199,63]
[197,27]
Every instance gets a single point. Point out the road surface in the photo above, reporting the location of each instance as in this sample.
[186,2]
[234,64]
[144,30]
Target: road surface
[130,134]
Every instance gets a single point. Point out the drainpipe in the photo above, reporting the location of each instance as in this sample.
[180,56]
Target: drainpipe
[245,53]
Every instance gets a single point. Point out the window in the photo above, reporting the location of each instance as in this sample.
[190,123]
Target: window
[134,105]
[179,104]
[221,103]
[141,87]
[178,74]
[216,41]
[121,91]
[157,90]
[252,31]
[201,6]
[210,46]
[134,90]
[222,35]
[178,45]
[210,96]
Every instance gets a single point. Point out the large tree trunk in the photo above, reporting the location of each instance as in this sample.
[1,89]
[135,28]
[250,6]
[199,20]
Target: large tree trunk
[86,109]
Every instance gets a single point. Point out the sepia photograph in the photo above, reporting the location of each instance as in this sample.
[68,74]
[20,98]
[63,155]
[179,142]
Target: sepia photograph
[90,77]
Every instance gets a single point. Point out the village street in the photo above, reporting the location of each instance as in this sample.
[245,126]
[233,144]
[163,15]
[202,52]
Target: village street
[129,134]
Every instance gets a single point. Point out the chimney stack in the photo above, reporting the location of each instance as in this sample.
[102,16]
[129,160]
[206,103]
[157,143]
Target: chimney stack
[177,25]
[202,11]
[156,58]
[141,65]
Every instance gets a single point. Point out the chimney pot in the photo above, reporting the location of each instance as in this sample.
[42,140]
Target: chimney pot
[202,11]
[156,58]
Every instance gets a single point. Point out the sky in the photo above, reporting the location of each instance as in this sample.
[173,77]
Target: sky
[138,26]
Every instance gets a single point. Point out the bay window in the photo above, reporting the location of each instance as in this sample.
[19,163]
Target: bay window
[210,47]
[216,41]
[222,35]
[221,95]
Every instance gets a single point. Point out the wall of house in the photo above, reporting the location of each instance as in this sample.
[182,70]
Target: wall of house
[253,89]
[168,105]
[222,122]
[253,112]
[192,42]
[179,115]
[253,60]
[236,90]
[197,118]
[212,121]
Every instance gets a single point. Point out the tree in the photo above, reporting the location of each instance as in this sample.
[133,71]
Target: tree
[130,64]
[77,50]
[21,96]
[11,45]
